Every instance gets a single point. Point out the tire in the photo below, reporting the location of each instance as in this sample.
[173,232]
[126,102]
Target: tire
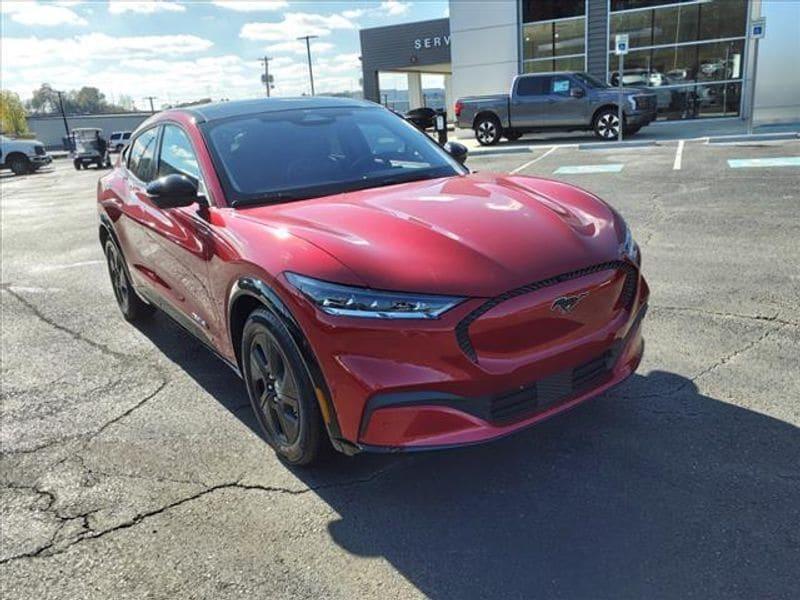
[119,148]
[280,390]
[488,130]
[512,136]
[131,306]
[99,163]
[606,124]
[19,164]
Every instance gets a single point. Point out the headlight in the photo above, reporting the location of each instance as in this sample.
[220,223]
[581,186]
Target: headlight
[347,301]
[632,102]
[629,247]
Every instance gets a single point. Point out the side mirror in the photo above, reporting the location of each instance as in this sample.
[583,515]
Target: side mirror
[577,92]
[172,191]
[457,151]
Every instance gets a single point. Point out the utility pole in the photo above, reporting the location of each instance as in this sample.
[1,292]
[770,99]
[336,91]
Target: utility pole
[308,39]
[267,82]
[63,114]
[151,98]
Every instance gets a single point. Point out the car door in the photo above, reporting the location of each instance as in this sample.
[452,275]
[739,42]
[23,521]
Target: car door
[569,104]
[174,242]
[530,102]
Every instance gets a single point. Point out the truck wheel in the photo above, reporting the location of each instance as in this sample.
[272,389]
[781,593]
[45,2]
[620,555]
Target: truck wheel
[19,164]
[488,130]
[606,124]
[512,136]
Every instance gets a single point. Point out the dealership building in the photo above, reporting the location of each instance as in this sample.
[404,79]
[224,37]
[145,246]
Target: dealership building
[695,55]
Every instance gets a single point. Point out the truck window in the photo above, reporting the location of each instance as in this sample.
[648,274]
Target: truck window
[560,85]
[534,86]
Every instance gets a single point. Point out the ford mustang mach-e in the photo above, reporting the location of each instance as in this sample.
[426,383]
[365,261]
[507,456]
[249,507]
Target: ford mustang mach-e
[372,292]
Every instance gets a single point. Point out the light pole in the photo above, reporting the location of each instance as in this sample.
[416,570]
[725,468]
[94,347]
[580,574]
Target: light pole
[308,39]
[151,98]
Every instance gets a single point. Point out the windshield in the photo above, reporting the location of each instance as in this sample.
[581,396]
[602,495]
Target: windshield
[296,154]
[590,81]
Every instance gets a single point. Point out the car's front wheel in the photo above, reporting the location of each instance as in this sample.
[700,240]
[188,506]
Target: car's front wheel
[280,390]
[606,124]
[488,130]
[129,303]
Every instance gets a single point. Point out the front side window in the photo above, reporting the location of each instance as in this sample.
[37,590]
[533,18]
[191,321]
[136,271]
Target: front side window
[141,161]
[294,154]
[177,154]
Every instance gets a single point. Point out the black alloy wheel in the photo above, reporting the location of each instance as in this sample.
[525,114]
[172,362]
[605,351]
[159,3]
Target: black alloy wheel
[130,305]
[281,392]
[606,125]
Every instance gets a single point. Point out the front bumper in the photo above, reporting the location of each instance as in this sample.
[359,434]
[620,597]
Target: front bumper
[41,160]
[402,385]
[640,118]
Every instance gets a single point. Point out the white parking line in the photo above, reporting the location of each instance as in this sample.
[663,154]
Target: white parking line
[783,161]
[586,169]
[537,159]
[676,166]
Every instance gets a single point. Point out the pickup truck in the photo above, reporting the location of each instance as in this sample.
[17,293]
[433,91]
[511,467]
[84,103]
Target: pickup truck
[22,156]
[567,101]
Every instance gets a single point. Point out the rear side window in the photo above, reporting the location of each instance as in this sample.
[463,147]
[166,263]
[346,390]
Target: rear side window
[126,136]
[177,154]
[142,155]
[534,86]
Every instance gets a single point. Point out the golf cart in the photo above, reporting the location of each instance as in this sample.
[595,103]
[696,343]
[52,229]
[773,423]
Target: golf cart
[88,149]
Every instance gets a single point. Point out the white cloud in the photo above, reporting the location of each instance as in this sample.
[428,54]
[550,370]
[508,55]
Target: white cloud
[251,5]
[298,47]
[395,7]
[42,15]
[33,51]
[294,25]
[117,7]
[353,13]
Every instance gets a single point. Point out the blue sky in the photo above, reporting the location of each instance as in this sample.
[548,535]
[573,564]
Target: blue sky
[185,50]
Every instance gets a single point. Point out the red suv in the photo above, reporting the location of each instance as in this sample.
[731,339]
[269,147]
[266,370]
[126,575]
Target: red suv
[368,288]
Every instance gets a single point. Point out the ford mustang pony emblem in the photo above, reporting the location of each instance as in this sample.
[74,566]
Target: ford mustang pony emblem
[566,304]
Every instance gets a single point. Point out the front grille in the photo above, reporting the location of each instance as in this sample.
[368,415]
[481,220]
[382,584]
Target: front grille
[625,299]
[552,389]
[39,149]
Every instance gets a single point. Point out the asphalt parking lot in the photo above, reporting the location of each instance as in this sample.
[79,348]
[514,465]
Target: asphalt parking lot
[131,466]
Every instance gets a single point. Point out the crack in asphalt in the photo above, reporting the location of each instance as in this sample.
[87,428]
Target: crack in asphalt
[714,366]
[8,288]
[776,318]
[90,534]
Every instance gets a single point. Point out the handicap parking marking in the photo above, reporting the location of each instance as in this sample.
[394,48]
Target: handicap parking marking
[782,161]
[586,169]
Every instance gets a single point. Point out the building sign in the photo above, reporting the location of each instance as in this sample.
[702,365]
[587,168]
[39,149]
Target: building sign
[621,44]
[431,42]
[758,28]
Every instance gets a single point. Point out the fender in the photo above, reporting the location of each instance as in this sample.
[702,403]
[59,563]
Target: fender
[256,288]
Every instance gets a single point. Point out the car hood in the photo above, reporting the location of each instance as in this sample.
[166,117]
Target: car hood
[472,235]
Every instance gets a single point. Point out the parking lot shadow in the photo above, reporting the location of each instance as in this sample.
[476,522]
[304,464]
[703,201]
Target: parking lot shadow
[653,490]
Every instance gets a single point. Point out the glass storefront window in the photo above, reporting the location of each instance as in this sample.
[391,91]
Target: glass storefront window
[569,37]
[570,63]
[678,52]
[537,40]
[548,10]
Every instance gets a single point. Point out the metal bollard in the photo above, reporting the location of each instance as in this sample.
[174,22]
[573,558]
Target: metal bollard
[440,125]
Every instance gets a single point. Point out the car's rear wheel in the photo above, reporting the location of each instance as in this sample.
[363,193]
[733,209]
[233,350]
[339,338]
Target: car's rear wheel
[606,124]
[280,390]
[20,165]
[131,306]
[488,130]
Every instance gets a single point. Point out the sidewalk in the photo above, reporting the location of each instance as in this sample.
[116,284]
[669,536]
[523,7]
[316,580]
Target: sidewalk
[660,131]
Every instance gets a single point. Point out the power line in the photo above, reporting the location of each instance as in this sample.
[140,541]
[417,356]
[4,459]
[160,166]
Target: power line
[308,39]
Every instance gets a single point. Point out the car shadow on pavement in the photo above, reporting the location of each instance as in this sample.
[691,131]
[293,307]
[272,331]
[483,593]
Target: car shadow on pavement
[653,490]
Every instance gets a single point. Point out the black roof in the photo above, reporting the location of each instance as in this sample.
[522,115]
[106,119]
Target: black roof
[237,108]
